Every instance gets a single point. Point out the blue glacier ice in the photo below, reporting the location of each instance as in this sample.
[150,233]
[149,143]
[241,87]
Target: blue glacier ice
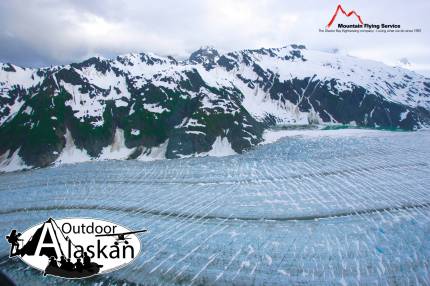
[305,210]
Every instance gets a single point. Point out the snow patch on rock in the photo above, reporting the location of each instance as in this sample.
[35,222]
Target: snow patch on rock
[221,147]
[71,154]
[154,108]
[135,132]
[154,153]
[118,150]
[12,163]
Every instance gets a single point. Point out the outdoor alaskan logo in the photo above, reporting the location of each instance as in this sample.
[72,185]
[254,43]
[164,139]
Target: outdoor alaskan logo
[350,21]
[75,247]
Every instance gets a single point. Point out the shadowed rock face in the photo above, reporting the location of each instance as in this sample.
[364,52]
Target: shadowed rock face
[142,105]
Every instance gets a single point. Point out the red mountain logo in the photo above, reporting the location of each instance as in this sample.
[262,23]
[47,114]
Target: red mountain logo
[339,8]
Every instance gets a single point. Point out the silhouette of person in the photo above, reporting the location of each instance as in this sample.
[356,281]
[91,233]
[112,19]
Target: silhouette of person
[13,239]
[87,261]
[69,265]
[63,262]
[52,262]
[78,265]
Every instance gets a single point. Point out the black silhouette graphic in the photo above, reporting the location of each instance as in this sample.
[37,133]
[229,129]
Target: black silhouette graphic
[68,265]
[87,260]
[121,237]
[13,239]
[30,247]
[64,267]
[79,266]
[52,262]
[69,270]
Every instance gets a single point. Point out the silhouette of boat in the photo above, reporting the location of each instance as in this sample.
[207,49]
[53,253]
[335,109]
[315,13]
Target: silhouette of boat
[89,271]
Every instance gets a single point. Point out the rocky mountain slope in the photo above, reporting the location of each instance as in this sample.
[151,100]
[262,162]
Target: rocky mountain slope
[142,106]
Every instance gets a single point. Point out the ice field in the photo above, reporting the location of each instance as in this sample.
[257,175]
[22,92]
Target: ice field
[313,208]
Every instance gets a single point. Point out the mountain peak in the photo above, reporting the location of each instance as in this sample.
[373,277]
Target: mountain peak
[404,62]
[204,55]
[297,47]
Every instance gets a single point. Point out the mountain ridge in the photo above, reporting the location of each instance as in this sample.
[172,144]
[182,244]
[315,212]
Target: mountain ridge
[144,106]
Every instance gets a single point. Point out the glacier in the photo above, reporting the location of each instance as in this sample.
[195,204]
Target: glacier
[313,207]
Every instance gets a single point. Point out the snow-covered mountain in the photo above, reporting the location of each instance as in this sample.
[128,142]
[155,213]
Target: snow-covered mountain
[143,106]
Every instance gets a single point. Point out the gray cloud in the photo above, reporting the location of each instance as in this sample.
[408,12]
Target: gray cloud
[45,32]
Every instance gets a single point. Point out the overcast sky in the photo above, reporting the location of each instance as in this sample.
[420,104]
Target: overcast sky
[45,32]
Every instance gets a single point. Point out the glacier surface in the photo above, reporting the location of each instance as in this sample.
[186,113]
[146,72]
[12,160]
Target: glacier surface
[338,207]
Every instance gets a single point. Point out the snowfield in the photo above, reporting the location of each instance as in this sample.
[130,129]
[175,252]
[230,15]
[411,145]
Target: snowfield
[336,207]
